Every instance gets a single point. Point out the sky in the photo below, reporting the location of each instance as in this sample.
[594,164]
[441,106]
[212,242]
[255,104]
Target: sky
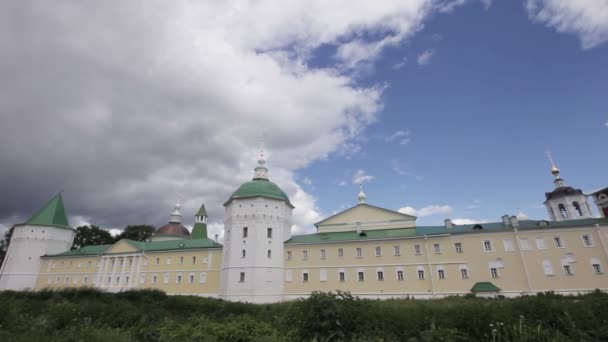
[439,108]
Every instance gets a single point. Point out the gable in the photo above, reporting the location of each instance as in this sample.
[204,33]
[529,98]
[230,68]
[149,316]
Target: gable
[122,246]
[366,214]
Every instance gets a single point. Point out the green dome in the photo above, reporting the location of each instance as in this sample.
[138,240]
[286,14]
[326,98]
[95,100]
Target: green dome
[259,187]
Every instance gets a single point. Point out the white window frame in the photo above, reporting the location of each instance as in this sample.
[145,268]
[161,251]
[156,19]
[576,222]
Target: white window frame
[558,242]
[464,271]
[437,248]
[458,247]
[380,274]
[596,265]
[587,240]
[541,243]
[305,276]
[440,272]
[417,250]
[568,269]
[396,250]
[341,275]
[488,246]
[289,255]
[340,253]
[494,273]
[305,254]
[323,275]
[508,245]
[360,274]
[323,254]
[524,244]
[548,268]
[399,273]
[359,252]
[288,275]
[378,251]
[420,273]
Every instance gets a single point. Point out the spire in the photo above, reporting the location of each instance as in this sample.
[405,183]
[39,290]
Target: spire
[261,171]
[176,215]
[558,181]
[199,231]
[52,214]
[362,198]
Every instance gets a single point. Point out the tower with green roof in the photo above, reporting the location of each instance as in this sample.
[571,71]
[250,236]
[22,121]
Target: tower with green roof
[46,232]
[256,225]
[199,231]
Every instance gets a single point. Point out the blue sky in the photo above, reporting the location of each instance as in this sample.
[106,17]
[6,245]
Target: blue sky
[498,91]
[444,108]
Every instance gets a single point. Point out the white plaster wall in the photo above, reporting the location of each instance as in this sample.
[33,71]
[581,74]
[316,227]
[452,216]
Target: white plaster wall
[554,212]
[28,244]
[263,276]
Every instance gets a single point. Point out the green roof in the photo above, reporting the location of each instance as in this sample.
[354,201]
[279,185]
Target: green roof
[87,250]
[199,231]
[259,187]
[484,286]
[52,214]
[145,246]
[202,211]
[353,236]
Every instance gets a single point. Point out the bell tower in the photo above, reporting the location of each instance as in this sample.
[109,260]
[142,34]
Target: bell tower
[565,202]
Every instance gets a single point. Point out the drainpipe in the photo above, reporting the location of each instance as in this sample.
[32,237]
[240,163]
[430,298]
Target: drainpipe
[428,262]
[523,260]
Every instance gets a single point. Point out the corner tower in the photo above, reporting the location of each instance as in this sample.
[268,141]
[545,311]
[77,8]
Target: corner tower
[47,232]
[565,202]
[257,223]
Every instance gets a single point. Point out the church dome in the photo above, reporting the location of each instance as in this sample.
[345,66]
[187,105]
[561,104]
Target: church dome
[175,229]
[259,187]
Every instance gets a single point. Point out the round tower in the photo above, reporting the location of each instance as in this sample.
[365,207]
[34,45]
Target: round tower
[565,202]
[257,223]
[47,232]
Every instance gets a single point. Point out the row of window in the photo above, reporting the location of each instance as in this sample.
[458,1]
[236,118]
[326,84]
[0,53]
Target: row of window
[246,232]
[181,260]
[380,274]
[116,280]
[487,245]
[61,264]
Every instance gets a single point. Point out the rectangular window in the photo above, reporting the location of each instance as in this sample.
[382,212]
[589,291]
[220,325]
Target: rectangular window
[378,251]
[166,278]
[142,278]
[359,252]
[178,279]
[361,276]
[458,246]
[245,232]
[567,270]
[322,254]
[85,280]
[396,250]
[400,275]
[288,255]
[269,233]
[464,273]
[558,242]
[420,274]
[181,260]
[487,246]
[417,249]
[494,272]
[525,244]
[158,261]
[154,279]
[288,275]
[168,261]
[269,254]
[548,267]
[380,275]
[597,268]
[540,243]
[587,242]
[340,252]
[323,275]
[243,253]
[508,245]
[203,278]
[191,278]
[441,274]
[304,255]
[242,277]
[436,248]
[305,277]
[193,260]
[342,276]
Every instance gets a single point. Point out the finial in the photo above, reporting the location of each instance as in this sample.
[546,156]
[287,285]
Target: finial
[361,196]
[262,160]
[261,171]
[554,169]
[176,215]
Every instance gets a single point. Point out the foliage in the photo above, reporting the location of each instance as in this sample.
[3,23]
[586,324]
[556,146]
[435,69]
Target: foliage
[140,232]
[148,315]
[92,236]
[4,243]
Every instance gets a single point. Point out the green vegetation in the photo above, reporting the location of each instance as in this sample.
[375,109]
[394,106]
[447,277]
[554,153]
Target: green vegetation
[91,315]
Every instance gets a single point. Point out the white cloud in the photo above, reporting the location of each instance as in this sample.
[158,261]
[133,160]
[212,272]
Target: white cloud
[487,3]
[450,6]
[475,204]
[307,181]
[586,18]
[342,183]
[606,124]
[467,221]
[428,210]
[400,64]
[403,137]
[361,177]
[425,57]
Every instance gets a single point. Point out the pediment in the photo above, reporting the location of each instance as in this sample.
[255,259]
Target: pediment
[365,214]
[122,246]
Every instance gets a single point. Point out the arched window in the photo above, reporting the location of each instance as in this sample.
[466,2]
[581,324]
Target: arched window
[577,208]
[562,211]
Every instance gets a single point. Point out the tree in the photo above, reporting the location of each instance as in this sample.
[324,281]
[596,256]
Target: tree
[4,244]
[91,236]
[140,232]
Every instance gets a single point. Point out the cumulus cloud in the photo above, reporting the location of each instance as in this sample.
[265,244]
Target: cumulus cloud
[425,57]
[486,3]
[361,177]
[428,210]
[128,109]
[588,19]
[400,64]
[467,221]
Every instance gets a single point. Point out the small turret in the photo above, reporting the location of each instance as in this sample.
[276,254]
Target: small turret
[199,231]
